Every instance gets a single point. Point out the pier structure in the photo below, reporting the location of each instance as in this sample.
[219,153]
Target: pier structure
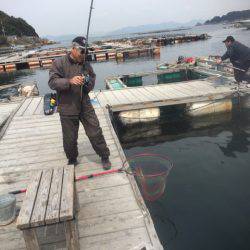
[112,213]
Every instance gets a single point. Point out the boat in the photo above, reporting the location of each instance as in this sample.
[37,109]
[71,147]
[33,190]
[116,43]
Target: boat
[245,23]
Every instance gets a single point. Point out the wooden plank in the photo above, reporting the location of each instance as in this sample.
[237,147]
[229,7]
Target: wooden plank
[72,236]
[23,220]
[27,131]
[110,223]
[24,106]
[128,95]
[137,95]
[169,91]
[180,88]
[102,100]
[172,89]
[33,106]
[49,128]
[53,208]
[38,215]
[135,238]
[41,138]
[31,240]
[111,97]
[15,126]
[102,182]
[67,197]
[194,89]
[148,96]
[37,166]
[36,118]
[160,94]
[115,192]
[120,96]
[40,110]
[107,207]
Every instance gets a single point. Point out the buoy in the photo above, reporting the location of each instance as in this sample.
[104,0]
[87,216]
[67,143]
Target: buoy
[100,57]
[34,64]
[47,63]
[7,209]
[10,67]
[1,68]
[157,51]
[119,55]
[111,55]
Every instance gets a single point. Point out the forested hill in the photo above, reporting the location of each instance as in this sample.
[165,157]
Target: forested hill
[15,26]
[230,17]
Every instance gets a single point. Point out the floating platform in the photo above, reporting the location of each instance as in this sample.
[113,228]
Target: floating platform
[152,40]
[44,60]
[167,94]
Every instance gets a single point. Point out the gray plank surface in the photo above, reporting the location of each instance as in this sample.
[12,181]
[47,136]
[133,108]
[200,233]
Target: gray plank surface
[39,210]
[25,214]
[32,106]
[53,208]
[67,196]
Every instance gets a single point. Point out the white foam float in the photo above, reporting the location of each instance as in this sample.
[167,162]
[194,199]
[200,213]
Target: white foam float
[211,107]
[139,116]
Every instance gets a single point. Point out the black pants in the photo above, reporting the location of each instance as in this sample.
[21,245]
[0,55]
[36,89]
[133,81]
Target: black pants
[242,75]
[70,127]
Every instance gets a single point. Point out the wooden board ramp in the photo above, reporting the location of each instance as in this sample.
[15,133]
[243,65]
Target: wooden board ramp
[162,95]
[112,213]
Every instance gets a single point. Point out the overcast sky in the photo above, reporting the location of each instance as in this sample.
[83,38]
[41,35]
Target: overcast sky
[59,17]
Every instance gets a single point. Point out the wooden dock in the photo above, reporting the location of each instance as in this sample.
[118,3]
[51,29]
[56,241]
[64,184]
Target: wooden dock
[112,213]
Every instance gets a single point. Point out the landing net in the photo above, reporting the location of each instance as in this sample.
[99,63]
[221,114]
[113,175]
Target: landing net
[151,171]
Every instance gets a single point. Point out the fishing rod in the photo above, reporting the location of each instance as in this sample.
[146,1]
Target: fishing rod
[226,66]
[87,36]
[80,178]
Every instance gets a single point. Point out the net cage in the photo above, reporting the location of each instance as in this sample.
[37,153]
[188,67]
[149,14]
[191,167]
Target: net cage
[151,172]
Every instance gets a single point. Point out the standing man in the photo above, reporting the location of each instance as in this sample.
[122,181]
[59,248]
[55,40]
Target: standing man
[73,78]
[239,56]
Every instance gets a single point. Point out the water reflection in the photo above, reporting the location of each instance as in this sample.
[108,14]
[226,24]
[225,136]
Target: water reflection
[179,127]
[206,201]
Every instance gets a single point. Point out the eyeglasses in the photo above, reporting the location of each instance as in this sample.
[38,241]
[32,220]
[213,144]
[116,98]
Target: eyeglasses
[82,51]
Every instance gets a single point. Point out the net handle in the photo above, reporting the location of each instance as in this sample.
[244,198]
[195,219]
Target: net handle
[125,169]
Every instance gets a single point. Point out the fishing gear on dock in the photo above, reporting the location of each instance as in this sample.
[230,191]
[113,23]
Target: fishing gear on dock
[150,170]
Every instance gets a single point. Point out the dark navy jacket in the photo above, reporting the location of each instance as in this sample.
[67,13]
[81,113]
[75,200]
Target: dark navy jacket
[238,53]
